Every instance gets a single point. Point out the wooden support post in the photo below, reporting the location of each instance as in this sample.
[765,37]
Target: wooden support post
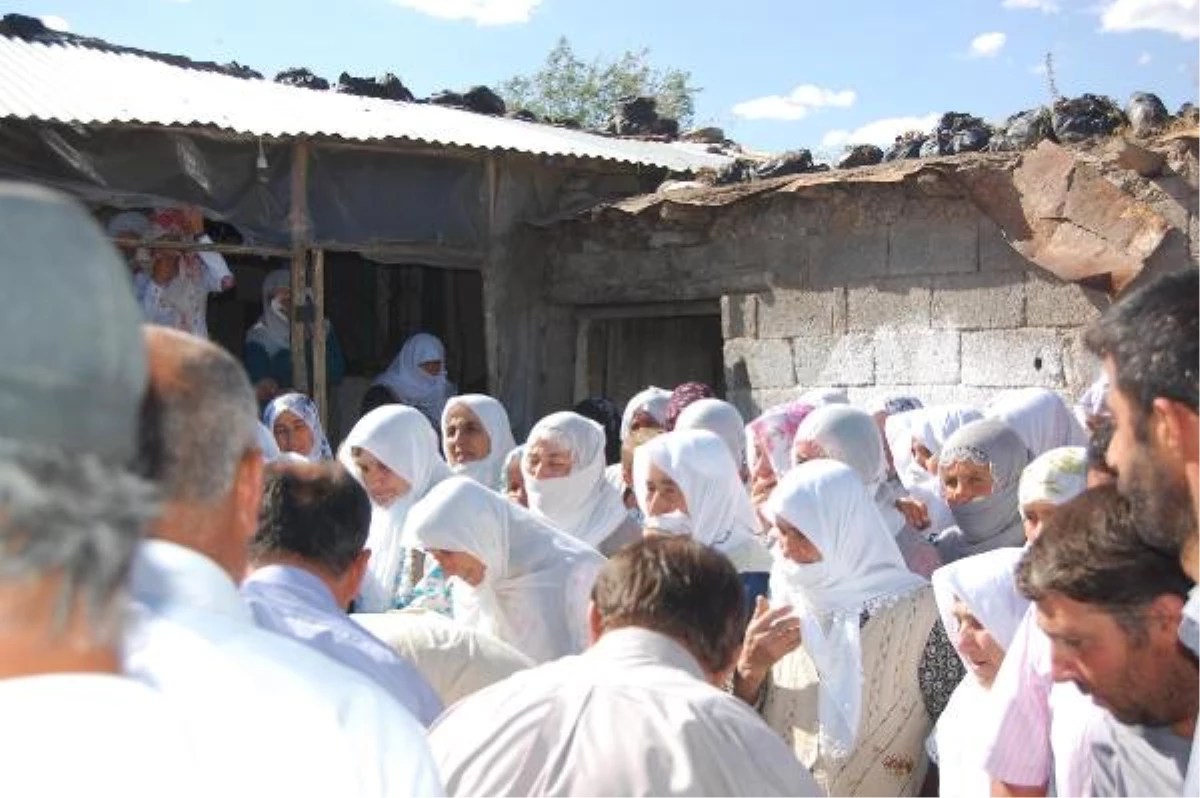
[492,254]
[320,383]
[300,236]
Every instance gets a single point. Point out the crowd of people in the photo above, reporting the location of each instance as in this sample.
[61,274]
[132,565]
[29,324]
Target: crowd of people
[202,594]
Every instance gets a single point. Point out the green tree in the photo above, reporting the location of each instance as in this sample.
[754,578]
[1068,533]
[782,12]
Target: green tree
[567,87]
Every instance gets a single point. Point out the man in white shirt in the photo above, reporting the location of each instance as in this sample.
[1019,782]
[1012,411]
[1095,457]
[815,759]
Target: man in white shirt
[287,720]
[309,560]
[71,514]
[639,712]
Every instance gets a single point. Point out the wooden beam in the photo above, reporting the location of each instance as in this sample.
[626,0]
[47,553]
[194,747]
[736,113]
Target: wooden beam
[300,235]
[212,246]
[650,310]
[320,383]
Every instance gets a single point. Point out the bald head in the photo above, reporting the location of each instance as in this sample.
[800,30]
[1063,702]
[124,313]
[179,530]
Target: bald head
[202,419]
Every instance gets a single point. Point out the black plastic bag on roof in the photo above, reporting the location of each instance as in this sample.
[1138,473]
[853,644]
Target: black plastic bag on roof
[1188,113]
[387,87]
[1147,114]
[1085,117]
[906,146]
[483,100]
[860,155]
[794,162]
[1024,130]
[971,139]
[302,78]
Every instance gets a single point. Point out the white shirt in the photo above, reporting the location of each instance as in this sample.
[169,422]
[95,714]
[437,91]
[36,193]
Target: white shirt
[631,716]
[77,734]
[276,717]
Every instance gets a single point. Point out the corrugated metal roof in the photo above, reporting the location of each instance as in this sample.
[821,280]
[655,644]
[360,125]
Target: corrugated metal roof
[71,83]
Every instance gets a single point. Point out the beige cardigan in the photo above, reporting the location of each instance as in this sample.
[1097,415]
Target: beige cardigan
[889,756]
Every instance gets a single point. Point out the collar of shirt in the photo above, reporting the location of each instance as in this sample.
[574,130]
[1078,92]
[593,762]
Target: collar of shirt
[633,646]
[305,586]
[1189,627]
[167,575]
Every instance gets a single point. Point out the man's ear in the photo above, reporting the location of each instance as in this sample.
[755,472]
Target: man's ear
[595,624]
[248,492]
[1164,615]
[1176,427]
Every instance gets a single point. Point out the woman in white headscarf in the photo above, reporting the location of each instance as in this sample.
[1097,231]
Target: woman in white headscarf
[647,408]
[981,609]
[266,442]
[859,673]
[476,438]
[723,420]
[1052,479]
[1040,416]
[296,424]
[850,436]
[392,452]
[930,427]
[511,574]
[820,397]
[686,483]
[563,469]
[416,377]
[980,470]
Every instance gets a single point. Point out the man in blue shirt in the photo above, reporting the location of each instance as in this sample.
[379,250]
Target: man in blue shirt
[309,561]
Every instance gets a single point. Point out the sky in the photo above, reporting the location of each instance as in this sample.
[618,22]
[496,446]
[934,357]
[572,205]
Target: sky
[774,74]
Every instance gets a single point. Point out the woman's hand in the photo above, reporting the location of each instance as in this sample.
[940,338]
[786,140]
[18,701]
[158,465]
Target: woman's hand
[915,512]
[771,635]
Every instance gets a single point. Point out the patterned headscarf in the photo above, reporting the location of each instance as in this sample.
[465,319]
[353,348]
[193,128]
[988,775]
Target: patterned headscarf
[605,412]
[773,433]
[685,395]
[306,409]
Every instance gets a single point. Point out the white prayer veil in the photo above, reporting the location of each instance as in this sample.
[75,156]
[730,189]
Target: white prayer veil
[987,584]
[494,418]
[653,401]
[537,580]
[820,397]
[720,418]
[410,383]
[1040,416]
[399,437]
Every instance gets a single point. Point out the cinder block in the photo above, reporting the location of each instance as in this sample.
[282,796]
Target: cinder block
[758,364]
[984,300]
[790,314]
[1013,358]
[763,400]
[743,400]
[897,302]
[1049,302]
[939,237]
[916,356]
[739,316]
[841,360]
[852,254]
[995,253]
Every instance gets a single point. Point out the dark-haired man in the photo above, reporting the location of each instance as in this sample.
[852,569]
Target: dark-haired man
[639,712]
[1111,606]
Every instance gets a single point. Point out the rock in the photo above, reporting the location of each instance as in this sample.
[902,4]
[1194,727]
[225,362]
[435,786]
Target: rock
[1189,113]
[1024,130]
[483,100]
[860,155]
[523,114]
[795,162]
[449,98]
[665,127]
[302,78]
[1085,117]
[1147,114]
[387,87]
[679,185]
[1137,158]
[907,145]
[705,135]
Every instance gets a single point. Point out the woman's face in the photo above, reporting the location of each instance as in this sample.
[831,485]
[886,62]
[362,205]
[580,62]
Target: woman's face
[466,439]
[292,434]
[805,451]
[923,457]
[514,484]
[283,297]
[976,644]
[431,367]
[643,420]
[793,544]
[458,563]
[545,460]
[383,485]
[1035,515]
[164,265]
[663,495]
[964,481]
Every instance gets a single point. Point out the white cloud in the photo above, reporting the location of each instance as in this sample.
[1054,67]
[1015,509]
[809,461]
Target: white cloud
[882,131]
[987,45]
[481,12]
[1045,6]
[1180,17]
[797,104]
[1144,58]
[56,23]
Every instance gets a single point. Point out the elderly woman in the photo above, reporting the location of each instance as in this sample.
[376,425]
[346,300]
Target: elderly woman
[648,408]
[684,395]
[850,436]
[513,479]
[981,610]
[851,667]
[929,428]
[416,377]
[476,438]
[1040,416]
[769,440]
[296,425]
[1052,479]
[980,471]
[512,575]
[563,468]
[268,349]
[723,420]
[687,483]
[392,452]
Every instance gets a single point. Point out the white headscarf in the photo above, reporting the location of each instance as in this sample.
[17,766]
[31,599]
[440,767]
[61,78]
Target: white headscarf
[933,426]
[1040,417]
[401,439]
[273,331]
[861,570]
[719,512]
[537,583]
[266,442]
[583,504]
[1057,476]
[410,383]
[820,397]
[993,521]
[494,418]
[306,410]
[653,401]
[720,418]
